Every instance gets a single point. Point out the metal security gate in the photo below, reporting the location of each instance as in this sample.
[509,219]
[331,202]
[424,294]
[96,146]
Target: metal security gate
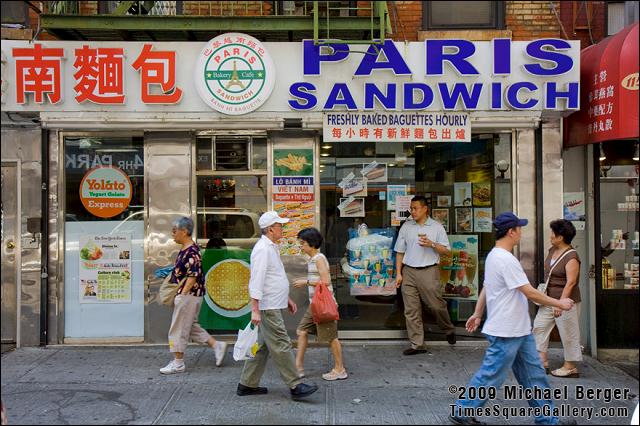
[10,226]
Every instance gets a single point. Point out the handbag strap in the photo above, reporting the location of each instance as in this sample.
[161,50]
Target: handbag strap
[556,263]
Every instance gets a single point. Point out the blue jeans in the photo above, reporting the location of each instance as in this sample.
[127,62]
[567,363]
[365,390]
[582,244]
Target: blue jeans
[519,354]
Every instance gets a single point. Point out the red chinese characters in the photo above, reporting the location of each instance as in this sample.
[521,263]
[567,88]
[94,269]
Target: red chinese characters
[99,75]
[158,68]
[38,72]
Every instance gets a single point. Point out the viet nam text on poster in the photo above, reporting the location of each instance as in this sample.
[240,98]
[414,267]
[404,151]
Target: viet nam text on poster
[105,268]
[293,194]
[459,270]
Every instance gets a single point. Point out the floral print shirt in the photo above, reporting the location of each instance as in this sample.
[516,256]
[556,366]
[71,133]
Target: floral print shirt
[189,264]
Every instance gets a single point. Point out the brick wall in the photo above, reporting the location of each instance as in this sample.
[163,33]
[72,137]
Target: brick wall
[529,20]
[406,19]
[578,17]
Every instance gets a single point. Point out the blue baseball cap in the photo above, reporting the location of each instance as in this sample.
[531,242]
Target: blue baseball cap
[507,220]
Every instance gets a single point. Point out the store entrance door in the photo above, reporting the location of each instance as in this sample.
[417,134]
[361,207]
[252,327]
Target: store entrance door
[617,226]
[10,251]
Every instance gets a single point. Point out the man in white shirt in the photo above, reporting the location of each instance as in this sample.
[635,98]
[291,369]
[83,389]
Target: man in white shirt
[269,292]
[508,326]
[421,242]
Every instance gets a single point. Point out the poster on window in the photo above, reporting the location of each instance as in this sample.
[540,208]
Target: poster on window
[227,305]
[105,268]
[371,262]
[459,269]
[293,194]
[462,194]
[392,192]
[482,219]
[441,216]
[573,209]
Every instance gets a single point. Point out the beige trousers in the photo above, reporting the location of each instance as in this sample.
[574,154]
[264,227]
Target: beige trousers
[272,339]
[184,323]
[423,285]
[568,326]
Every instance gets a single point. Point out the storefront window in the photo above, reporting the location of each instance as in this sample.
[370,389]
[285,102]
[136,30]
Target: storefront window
[619,216]
[103,237]
[458,180]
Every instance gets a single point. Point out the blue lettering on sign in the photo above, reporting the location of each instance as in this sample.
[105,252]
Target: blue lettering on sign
[342,119]
[512,95]
[436,56]
[340,95]
[552,94]
[293,181]
[427,96]
[394,61]
[372,92]
[496,95]
[502,56]
[312,58]
[301,91]
[563,62]
[460,90]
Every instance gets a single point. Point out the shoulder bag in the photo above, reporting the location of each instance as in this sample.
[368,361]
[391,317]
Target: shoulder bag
[542,287]
[168,290]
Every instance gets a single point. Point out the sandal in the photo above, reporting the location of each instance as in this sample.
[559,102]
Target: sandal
[566,373]
[334,375]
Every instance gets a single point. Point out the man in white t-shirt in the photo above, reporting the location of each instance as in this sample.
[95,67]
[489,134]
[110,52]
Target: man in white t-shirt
[508,326]
[269,292]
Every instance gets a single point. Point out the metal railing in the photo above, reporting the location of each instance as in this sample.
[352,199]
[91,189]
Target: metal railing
[321,9]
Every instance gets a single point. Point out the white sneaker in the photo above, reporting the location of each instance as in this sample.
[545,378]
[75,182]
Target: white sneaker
[172,368]
[220,351]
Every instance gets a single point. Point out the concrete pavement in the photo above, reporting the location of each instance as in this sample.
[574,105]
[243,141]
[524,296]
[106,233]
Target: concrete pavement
[121,385]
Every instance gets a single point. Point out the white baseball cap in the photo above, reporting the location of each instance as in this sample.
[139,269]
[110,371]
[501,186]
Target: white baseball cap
[269,218]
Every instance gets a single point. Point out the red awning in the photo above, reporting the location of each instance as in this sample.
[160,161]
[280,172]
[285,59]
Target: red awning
[609,84]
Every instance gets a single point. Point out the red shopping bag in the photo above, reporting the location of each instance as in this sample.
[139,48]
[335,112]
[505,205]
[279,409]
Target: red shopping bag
[323,305]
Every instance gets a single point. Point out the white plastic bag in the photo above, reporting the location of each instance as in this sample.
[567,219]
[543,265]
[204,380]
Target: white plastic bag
[247,344]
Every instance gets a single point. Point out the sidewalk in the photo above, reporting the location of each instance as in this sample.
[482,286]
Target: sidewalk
[98,385]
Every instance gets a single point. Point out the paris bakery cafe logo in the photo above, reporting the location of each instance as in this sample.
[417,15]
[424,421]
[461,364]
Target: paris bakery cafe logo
[234,74]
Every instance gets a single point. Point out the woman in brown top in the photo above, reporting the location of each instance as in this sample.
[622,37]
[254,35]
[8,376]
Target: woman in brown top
[564,264]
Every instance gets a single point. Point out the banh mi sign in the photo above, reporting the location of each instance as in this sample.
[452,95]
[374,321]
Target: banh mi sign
[105,191]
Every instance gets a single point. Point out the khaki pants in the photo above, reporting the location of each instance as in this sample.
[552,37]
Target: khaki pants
[184,323]
[423,285]
[568,326]
[272,339]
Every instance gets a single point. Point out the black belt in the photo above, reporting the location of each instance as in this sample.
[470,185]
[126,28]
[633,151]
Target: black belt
[421,267]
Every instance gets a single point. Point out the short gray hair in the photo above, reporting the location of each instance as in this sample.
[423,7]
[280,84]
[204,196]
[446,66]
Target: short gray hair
[184,223]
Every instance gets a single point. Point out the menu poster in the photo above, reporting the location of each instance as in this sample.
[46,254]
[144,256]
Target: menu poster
[482,194]
[441,216]
[483,220]
[462,194]
[377,173]
[371,262]
[443,201]
[392,192]
[105,268]
[395,220]
[459,269]
[302,215]
[354,208]
[356,187]
[464,220]
[293,194]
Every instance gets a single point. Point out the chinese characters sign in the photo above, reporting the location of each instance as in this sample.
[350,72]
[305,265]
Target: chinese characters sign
[396,127]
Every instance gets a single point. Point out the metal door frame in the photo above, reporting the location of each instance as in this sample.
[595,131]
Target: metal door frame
[18,164]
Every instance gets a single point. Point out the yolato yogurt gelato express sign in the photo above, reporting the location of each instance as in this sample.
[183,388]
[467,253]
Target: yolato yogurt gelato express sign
[105,191]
